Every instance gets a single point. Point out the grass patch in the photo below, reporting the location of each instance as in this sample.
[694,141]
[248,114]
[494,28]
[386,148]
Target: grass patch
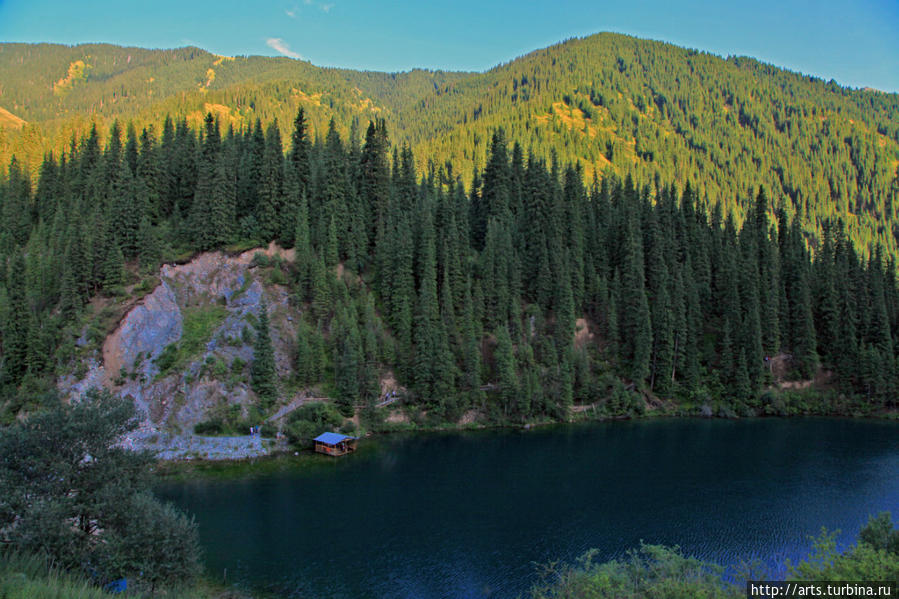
[25,576]
[30,577]
[242,246]
[200,322]
[228,420]
[247,281]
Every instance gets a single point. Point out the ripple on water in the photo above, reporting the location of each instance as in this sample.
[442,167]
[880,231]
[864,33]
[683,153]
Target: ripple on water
[469,515]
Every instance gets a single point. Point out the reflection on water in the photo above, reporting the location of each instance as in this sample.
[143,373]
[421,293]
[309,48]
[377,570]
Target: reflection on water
[468,515]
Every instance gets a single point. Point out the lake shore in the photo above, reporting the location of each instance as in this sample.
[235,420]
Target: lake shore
[276,454]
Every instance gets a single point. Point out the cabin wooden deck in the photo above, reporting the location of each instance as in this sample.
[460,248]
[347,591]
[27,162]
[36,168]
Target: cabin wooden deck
[335,444]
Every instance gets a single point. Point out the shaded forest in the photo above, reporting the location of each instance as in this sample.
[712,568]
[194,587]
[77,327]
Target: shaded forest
[520,295]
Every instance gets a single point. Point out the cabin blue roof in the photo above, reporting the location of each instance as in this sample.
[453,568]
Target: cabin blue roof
[332,438]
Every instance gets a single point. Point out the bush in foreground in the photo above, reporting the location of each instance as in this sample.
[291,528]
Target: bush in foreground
[657,572]
[69,493]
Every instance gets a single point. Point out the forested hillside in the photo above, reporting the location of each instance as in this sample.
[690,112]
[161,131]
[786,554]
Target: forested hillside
[610,103]
[520,297]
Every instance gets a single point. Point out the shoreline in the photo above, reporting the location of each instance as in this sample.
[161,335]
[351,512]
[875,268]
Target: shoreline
[171,469]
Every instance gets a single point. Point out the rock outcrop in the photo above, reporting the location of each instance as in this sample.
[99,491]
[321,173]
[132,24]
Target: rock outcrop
[225,294]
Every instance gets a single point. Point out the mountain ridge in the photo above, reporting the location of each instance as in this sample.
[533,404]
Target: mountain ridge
[606,102]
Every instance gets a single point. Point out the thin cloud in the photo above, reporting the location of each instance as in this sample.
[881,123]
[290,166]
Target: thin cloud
[292,12]
[327,7]
[279,45]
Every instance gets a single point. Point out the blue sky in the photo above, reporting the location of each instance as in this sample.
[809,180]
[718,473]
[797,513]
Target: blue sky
[855,42]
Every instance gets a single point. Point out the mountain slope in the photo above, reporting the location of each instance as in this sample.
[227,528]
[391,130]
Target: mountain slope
[606,101]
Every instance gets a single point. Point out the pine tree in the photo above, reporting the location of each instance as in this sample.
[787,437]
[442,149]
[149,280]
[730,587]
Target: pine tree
[125,210]
[348,360]
[471,354]
[69,298]
[149,250]
[333,193]
[149,174]
[427,316]
[305,363]
[374,185]
[634,316]
[332,254]
[203,236]
[296,180]
[271,185]
[223,202]
[250,171]
[322,283]
[263,369]
[304,256]
[506,371]
[15,336]
[113,268]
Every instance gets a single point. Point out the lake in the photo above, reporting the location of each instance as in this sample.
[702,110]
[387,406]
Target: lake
[469,514]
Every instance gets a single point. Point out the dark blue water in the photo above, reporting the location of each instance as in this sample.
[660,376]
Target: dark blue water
[468,515]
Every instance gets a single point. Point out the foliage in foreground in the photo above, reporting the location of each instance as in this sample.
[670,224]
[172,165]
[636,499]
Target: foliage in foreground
[69,493]
[651,571]
[658,572]
[31,577]
[24,576]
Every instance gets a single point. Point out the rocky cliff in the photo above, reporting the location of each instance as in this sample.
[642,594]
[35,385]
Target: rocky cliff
[184,350]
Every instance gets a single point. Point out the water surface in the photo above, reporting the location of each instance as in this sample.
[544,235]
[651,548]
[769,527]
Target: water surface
[469,514]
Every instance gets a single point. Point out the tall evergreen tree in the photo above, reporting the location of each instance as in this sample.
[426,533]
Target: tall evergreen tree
[263,369]
[15,335]
[271,185]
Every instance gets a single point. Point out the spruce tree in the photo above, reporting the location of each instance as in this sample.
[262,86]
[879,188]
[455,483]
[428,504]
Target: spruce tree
[263,369]
[296,179]
[149,250]
[506,371]
[113,268]
[348,360]
[203,236]
[305,362]
[634,316]
[304,257]
[15,337]
[374,185]
[271,185]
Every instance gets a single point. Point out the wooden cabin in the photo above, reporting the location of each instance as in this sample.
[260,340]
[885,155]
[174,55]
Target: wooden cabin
[335,444]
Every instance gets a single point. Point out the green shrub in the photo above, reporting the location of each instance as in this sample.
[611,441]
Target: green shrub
[260,259]
[651,571]
[277,277]
[199,323]
[310,420]
[209,427]
[167,358]
[875,557]
[219,368]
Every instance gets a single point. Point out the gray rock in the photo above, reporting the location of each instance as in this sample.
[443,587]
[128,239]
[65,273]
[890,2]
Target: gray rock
[171,406]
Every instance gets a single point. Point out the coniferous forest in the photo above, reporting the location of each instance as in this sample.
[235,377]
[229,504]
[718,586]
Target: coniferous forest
[521,293]
[608,102]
